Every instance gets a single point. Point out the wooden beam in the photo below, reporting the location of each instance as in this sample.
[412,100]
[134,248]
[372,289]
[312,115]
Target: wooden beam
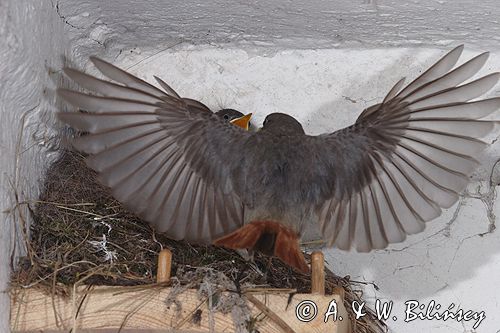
[145,308]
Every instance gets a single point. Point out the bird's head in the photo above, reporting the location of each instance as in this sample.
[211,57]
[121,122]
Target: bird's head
[235,117]
[283,124]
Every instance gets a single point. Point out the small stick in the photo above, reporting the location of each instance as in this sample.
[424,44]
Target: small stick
[317,273]
[164,266]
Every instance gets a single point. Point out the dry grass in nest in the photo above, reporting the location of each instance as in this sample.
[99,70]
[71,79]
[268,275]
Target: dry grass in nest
[81,234]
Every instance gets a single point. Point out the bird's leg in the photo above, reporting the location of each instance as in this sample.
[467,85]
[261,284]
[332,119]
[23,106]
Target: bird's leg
[248,256]
[269,237]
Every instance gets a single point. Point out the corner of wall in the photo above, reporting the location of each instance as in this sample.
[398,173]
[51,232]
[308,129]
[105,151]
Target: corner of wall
[32,49]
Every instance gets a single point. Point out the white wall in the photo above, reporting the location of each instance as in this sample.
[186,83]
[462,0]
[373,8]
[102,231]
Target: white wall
[321,61]
[120,25]
[32,44]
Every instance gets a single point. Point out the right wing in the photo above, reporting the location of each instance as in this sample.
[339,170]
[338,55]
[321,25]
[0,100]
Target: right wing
[406,158]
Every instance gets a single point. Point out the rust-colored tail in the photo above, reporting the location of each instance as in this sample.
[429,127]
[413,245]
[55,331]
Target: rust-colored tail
[286,244]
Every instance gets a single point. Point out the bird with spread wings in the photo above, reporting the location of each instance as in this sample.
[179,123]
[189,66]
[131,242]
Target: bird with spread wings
[194,176]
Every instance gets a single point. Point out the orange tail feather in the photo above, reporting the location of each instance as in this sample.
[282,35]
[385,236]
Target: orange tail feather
[243,238]
[286,245]
[287,249]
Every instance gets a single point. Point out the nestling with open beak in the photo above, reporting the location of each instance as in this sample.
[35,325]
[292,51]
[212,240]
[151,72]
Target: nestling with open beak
[194,176]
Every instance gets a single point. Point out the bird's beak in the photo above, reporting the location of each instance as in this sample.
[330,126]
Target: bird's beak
[242,122]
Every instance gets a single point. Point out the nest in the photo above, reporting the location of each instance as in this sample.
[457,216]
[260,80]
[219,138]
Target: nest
[81,235]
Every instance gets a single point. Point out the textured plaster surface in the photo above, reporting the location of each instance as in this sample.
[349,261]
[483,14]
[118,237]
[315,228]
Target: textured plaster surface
[321,61]
[297,24]
[32,41]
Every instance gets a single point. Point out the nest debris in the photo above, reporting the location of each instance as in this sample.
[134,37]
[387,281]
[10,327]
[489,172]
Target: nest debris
[81,234]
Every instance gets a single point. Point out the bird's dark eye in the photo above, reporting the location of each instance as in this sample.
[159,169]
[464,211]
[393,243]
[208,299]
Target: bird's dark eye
[226,117]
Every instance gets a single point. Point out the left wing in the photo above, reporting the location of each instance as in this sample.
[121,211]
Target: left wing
[165,157]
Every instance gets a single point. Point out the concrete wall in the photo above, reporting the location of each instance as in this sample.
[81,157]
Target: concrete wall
[32,44]
[121,25]
[321,61]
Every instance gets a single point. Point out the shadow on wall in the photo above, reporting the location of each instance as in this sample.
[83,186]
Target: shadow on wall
[450,250]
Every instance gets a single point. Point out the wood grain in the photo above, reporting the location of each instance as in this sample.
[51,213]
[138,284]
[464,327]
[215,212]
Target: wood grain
[145,309]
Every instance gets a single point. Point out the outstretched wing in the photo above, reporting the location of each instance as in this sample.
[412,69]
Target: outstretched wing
[406,158]
[161,155]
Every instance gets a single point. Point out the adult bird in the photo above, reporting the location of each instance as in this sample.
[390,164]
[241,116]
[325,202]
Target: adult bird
[192,175]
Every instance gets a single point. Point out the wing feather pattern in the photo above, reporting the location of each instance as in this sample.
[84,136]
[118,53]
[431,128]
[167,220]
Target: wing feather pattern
[410,156]
[375,182]
[143,142]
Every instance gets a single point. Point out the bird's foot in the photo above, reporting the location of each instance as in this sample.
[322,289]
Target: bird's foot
[268,236]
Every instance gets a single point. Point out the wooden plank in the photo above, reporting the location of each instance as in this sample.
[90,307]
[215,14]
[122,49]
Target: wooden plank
[146,309]
[110,330]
